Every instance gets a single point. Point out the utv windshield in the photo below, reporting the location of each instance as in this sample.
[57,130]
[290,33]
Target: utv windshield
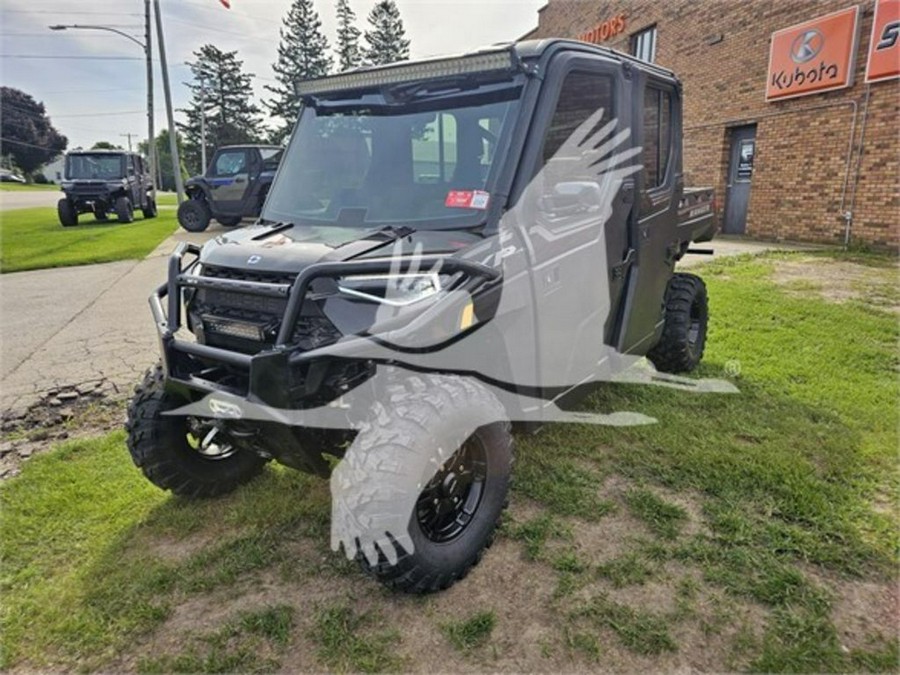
[96,167]
[400,156]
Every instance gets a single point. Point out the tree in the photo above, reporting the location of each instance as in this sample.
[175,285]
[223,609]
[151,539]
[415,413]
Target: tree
[166,180]
[386,41]
[105,145]
[27,134]
[223,101]
[348,50]
[302,55]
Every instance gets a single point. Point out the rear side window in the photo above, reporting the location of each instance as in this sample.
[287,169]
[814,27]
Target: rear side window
[657,137]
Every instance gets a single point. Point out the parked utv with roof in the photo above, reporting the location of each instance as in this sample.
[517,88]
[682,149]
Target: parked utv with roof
[105,182]
[234,186]
[419,200]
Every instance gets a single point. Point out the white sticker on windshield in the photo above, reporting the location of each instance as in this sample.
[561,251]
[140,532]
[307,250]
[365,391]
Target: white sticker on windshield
[480,199]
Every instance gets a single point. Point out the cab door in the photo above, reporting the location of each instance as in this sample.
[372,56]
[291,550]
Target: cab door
[574,224]
[229,180]
[656,118]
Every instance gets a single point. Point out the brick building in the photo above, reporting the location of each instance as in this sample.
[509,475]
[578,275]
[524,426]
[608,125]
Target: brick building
[784,168]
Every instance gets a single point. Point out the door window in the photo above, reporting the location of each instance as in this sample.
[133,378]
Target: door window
[581,96]
[657,136]
[230,163]
[746,152]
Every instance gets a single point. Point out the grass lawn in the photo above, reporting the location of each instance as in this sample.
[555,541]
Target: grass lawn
[34,239]
[755,531]
[21,187]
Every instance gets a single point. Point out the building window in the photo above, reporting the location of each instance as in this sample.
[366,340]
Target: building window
[657,136]
[643,44]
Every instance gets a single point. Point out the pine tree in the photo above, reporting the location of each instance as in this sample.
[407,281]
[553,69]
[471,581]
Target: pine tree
[302,55]
[386,40]
[224,101]
[348,50]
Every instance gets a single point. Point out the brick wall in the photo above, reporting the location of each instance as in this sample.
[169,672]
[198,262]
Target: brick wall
[806,161]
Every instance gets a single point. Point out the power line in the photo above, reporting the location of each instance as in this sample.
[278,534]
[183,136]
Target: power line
[68,58]
[64,11]
[30,145]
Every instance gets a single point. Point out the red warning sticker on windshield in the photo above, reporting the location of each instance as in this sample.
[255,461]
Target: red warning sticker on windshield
[467,199]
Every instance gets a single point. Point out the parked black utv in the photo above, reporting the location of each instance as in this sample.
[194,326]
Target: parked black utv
[526,199]
[105,182]
[234,187]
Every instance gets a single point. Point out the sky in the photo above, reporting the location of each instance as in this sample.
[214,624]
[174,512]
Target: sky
[93,82]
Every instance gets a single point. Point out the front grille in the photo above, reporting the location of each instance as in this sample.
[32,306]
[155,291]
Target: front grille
[87,188]
[211,310]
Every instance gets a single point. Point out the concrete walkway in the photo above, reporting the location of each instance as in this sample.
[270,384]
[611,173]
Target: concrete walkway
[25,199]
[64,327]
[72,325]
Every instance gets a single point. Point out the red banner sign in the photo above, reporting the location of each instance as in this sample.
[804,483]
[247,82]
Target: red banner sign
[884,47]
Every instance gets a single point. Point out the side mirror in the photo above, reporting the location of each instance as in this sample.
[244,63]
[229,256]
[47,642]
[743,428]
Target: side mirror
[571,198]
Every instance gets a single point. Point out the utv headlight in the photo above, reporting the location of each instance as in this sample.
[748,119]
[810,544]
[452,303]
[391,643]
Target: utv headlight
[115,184]
[396,290]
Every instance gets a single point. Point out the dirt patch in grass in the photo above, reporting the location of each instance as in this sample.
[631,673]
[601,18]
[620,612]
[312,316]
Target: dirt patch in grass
[840,280]
[864,610]
[71,412]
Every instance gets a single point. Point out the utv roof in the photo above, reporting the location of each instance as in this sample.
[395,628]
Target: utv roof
[102,151]
[508,57]
[243,146]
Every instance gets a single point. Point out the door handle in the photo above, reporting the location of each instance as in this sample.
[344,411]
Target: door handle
[240,180]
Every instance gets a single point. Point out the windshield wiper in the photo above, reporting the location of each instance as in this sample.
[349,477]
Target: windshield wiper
[274,229]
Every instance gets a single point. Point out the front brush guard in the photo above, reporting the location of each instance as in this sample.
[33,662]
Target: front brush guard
[269,371]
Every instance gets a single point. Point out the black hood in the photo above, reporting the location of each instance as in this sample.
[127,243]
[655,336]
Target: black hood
[290,249]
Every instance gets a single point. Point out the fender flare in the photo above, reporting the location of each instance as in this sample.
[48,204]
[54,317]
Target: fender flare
[192,187]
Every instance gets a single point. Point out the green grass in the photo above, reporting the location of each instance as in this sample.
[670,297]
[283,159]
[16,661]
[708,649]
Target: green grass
[78,580]
[470,633]
[348,643]
[34,239]
[627,570]
[787,475]
[241,645]
[31,187]
[642,632]
[662,518]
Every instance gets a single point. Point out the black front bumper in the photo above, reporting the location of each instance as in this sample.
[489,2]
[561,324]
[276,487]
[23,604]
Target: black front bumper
[266,377]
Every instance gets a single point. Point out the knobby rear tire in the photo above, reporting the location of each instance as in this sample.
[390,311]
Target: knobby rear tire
[683,341]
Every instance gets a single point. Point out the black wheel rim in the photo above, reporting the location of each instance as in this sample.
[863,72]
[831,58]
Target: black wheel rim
[448,503]
[206,440]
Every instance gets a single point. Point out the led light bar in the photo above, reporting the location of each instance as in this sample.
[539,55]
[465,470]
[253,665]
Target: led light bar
[498,60]
[232,328]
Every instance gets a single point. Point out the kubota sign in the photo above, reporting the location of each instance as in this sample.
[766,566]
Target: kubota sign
[813,56]
[884,47]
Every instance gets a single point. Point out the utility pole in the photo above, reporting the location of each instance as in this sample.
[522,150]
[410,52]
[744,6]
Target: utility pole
[203,122]
[151,134]
[173,143]
[128,136]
